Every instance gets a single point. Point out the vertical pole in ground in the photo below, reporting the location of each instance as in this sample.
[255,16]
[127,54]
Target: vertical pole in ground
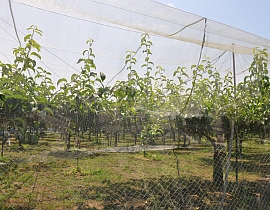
[232,126]
[3,137]
[236,127]
[2,148]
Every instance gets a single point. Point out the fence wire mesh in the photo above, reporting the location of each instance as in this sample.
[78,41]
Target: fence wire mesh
[105,170]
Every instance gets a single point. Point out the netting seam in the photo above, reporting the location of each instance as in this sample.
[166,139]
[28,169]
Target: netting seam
[187,26]
[124,66]
[13,19]
[195,78]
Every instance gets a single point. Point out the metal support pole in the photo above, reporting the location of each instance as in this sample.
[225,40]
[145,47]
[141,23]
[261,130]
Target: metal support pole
[236,127]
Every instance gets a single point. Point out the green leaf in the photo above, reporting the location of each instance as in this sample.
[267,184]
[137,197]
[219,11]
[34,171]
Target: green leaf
[149,42]
[34,63]
[51,87]
[93,66]
[7,92]
[200,67]
[2,97]
[27,37]
[17,96]
[93,74]
[102,76]
[47,109]
[184,74]
[128,56]
[89,61]
[36,54]
[175,72]
[18,59]
[38,31]
[193,66]
[4,80]
[87,68]
[99,80]
[37,76]
[73,76]
[80,60]
[20,120]
[85,51]
[61,80]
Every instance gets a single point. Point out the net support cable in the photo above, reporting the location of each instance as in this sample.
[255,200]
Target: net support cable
[244,41]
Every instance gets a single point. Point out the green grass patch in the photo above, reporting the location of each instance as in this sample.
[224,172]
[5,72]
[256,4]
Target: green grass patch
[44,177]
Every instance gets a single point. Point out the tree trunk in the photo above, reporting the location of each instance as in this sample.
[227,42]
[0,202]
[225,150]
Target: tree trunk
[199,138]
[68,140]
[115,139]
[136,130]
[108,138]
[178,126]
[89,135]
[185,140]
[236,153]
[2,148]
[228,163]
[96,134]
[3,140]
[163,139]
[219,157]
[172,128]
[135,138]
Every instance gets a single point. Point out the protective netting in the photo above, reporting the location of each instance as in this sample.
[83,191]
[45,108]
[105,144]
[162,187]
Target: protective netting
[116,26]
[130,105]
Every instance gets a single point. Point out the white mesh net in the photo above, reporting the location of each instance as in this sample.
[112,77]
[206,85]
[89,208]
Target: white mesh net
[116,26]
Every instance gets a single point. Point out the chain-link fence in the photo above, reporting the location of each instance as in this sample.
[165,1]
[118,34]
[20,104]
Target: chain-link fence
[106,170]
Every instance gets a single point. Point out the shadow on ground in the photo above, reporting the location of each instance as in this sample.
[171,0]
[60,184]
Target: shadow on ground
[169,193]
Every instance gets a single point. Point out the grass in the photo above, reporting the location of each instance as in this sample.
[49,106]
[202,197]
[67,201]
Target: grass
[41,177]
